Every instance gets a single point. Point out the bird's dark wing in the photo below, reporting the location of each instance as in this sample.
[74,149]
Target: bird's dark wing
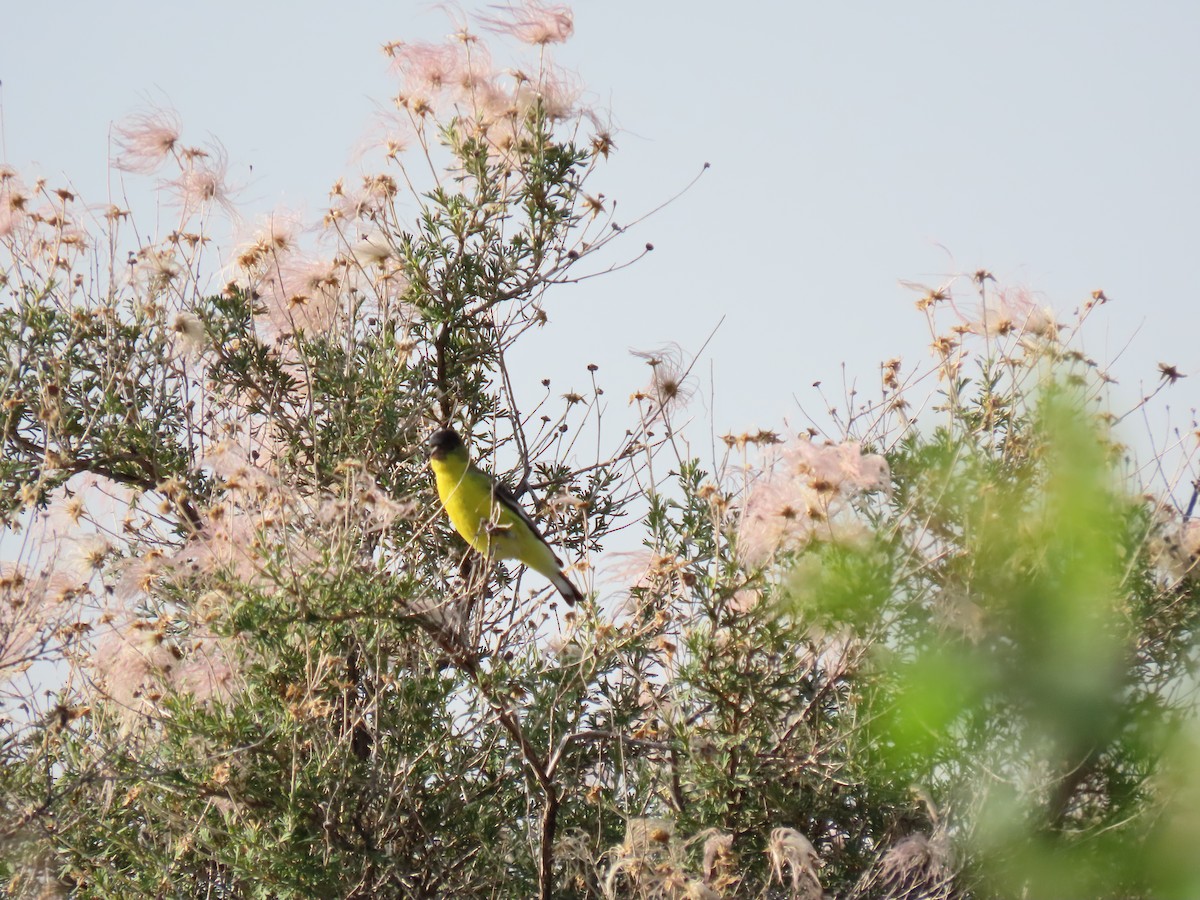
[506,497]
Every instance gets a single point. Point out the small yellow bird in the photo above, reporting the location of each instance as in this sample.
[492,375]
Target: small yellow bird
[488,516]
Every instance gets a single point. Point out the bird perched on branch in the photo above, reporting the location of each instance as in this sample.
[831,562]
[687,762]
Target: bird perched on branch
[487,514]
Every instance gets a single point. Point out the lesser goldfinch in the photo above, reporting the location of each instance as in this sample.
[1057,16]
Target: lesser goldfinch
[488,516]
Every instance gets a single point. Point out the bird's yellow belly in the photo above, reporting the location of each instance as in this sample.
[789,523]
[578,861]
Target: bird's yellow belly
[481,522]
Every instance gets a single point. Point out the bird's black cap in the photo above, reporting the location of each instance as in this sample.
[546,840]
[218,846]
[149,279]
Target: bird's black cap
[443,441]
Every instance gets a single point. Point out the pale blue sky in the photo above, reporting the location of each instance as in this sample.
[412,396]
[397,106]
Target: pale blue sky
[852,145]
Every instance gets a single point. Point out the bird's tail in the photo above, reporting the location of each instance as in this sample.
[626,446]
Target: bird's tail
[542,559]
[568,590]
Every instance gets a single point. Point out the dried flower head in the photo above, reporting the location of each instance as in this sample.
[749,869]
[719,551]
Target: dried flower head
[23,614]
[14,202]
[278,234]
[917,865]
[669,384]
[1169,373]
[842,468]
[533,22]
[132,661]
[555,94]
[930,296]
[789,849]
[155,268]
[718,854]
[647,836]
[374,249]
[84,555]
[206,672]
[189,335]
[300,294]
[1013,310]
[431,67]
[779,513]
[203,182]
[146,139]
[803,485]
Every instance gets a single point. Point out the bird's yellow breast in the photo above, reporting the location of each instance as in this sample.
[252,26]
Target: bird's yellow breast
[467,495]
[468,509]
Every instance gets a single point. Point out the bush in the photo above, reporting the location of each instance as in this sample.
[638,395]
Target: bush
[937,658]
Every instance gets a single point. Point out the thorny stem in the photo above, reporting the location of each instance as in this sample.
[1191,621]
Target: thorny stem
[467,661]
[104,469]
[518,433]
[440,343]
[546,861]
